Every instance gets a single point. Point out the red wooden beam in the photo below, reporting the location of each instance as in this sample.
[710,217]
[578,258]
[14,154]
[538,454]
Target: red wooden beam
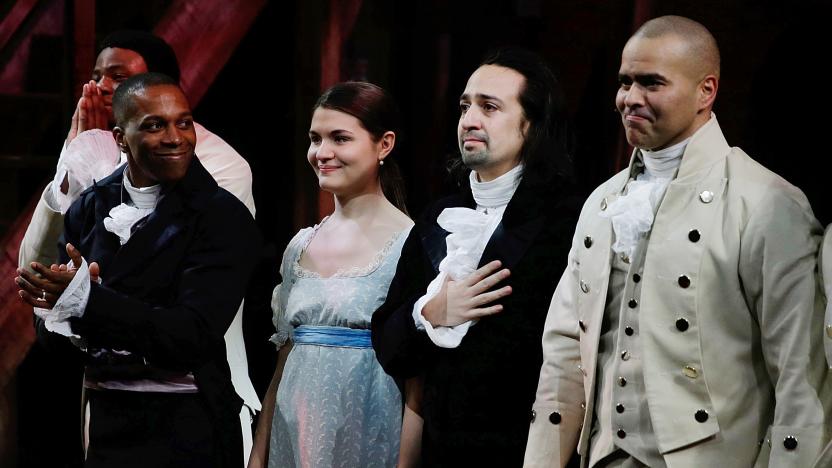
[84,43]
[339,25]
[204,34]
[13,20]
[16,331]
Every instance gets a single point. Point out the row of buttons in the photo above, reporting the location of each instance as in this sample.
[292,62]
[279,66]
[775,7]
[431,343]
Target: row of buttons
[693,236]
[683,281]
[682,325]
[706,196]
[789,442]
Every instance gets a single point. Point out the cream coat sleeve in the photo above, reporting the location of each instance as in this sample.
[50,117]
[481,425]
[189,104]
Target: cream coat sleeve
[40,242]
[225,164]
[558,407]
[777,268]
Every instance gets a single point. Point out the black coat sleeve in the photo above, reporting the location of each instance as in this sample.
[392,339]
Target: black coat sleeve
[188,330]
[401,349]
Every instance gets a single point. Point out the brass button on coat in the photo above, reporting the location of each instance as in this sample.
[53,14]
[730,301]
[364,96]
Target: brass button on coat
[628,331]
[682,324]
[636,277]
[619,408]
[706,196]
[701,416]
[790,442]
[684,281]
[625,355]
[622,382]
[632,304]
[690,371]
[621,434]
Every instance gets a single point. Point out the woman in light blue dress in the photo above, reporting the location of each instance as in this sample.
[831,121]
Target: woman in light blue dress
[330,404]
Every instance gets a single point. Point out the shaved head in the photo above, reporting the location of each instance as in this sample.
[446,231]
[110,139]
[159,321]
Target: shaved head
[701,49]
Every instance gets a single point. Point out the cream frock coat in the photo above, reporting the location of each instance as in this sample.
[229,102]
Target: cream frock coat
[751,358]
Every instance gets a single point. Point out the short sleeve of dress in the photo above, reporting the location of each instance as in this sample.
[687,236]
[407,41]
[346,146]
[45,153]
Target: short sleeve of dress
[281,292]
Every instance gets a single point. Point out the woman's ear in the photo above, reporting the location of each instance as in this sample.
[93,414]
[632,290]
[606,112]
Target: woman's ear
[387,142]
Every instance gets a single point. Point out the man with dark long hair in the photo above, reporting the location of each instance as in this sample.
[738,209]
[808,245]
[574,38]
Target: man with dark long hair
[466,308]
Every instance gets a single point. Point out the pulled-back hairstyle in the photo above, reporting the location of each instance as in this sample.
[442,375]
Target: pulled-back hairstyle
[548,143]
[378,113]
[123,105]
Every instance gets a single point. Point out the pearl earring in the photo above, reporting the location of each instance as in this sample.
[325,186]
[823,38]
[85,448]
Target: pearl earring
[380,162]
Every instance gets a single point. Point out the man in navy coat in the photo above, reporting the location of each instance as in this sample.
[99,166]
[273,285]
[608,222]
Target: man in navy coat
[172,254]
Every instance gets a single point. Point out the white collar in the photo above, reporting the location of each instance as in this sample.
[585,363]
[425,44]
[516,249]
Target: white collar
[142,197]
[497,192]
[663,163]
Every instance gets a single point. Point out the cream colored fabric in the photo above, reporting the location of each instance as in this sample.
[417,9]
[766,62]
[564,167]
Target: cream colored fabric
[751,357]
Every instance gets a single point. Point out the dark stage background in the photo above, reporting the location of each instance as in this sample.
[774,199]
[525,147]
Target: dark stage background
[770,102]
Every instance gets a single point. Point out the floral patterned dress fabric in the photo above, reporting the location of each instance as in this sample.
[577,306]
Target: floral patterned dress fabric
[335,407]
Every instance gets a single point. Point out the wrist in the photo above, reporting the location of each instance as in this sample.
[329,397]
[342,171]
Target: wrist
[430,313]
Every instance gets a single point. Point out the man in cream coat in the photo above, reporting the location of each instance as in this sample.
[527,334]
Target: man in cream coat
[684,331]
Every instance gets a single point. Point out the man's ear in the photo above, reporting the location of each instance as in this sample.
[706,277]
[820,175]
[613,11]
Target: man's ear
[707,92]
[118,134]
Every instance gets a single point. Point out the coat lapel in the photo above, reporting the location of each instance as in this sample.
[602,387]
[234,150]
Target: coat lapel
[522,221]
[154,233]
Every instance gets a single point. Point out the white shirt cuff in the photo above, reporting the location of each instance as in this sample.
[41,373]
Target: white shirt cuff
[72,303]
[444,337]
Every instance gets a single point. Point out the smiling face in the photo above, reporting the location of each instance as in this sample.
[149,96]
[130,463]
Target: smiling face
[112,66]
[663,97]
[492,126]
[158,136]
[344,155]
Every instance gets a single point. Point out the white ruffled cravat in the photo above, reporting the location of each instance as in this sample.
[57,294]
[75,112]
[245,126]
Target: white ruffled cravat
[122,217]
[73,301]
[632,214]
[469,232]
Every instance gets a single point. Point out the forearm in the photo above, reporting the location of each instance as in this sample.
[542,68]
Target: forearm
[411,439]
[183,335]
[260,449]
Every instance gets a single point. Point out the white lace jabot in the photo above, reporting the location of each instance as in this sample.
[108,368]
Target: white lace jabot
[469,231]
[122,217]
[632,213]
